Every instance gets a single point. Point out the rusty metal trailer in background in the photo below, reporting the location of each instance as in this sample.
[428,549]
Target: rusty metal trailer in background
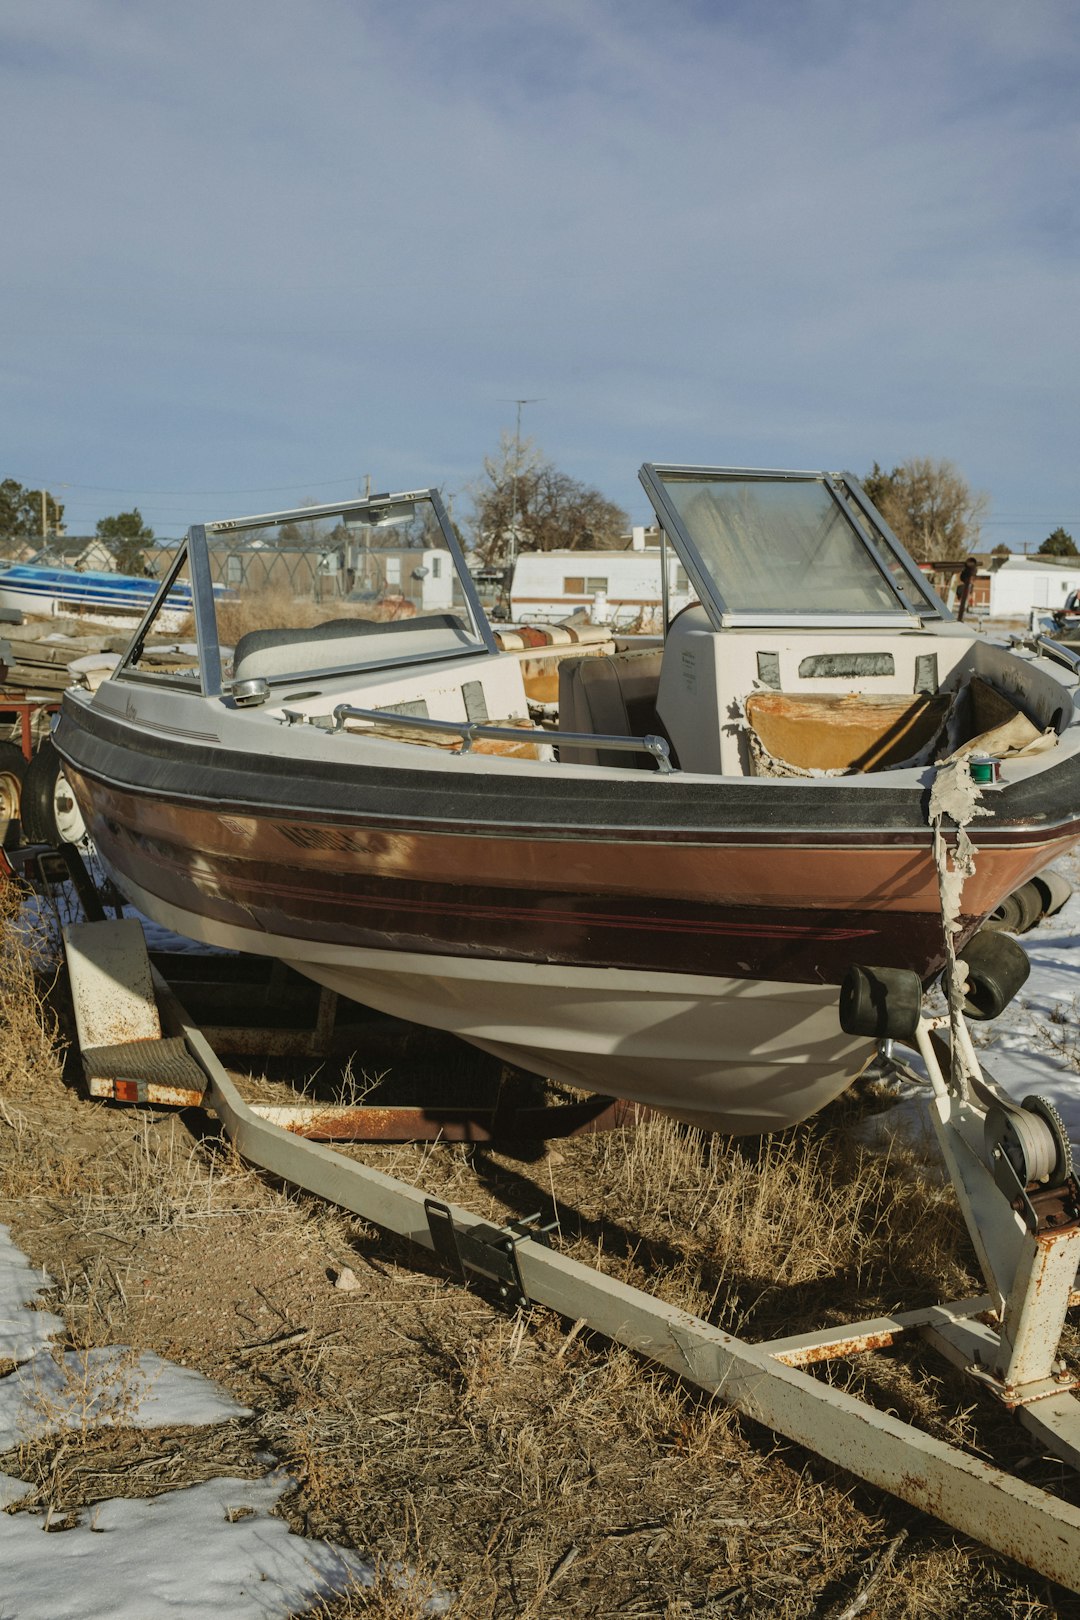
[1008,1164]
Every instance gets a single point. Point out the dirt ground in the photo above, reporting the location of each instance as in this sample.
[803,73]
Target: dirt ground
[509,1458]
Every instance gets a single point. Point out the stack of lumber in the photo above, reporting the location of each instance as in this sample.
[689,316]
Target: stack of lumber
[38,653]
[43,657]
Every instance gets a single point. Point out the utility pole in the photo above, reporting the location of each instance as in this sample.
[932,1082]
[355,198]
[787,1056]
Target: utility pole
[511,552]
[44,519]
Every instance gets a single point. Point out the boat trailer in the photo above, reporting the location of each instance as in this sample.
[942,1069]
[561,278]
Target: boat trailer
[1009,1163]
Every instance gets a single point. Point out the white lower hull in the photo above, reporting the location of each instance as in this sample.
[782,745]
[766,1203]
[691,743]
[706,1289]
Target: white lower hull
[34,605]
[726,1054]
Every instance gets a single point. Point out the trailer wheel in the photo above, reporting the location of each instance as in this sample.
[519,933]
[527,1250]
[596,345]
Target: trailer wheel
[1005,918]
[1032,905]
[996,968]
[50,814]
[13,767]
[1055,891]
[1019,911]
[883,1003]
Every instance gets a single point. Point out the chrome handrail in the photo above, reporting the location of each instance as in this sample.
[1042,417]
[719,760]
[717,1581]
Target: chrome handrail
[1064,655]
[470,730]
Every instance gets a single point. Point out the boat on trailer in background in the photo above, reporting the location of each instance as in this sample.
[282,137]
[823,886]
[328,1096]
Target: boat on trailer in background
[655,893]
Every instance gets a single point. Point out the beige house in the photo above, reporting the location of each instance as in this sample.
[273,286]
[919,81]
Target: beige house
[82,551]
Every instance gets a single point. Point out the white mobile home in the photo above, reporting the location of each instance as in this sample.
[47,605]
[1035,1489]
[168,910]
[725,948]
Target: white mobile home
[1023,583]
[612,587]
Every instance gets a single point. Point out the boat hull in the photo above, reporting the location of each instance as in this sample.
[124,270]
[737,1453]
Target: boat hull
[735,1055]
[691,966]
[69,605]
[115,600]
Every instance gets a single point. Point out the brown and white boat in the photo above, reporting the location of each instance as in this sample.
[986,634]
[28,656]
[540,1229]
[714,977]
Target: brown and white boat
[657,892]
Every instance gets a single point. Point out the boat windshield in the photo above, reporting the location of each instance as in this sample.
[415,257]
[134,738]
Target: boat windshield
[325,589]
[775,546]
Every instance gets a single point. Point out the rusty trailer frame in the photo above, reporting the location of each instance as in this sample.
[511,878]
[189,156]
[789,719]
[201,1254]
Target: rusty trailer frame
[1007,1338]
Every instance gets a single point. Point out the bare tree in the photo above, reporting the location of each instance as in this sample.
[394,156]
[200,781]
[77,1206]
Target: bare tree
[524,503]
[930,506]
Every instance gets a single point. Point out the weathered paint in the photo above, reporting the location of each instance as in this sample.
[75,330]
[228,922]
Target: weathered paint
[145,1091]
[375,1124]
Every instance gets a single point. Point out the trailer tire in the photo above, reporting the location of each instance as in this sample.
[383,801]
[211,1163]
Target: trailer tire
[996,968]
[1032,905]
[1005,918]
[13,767]
[1055,891]
[50,814]
[883,1003]
[1019,911]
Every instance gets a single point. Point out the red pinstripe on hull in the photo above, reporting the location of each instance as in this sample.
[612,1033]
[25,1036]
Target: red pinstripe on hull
[513,899]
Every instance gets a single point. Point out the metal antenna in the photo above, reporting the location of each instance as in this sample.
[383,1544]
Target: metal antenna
[511,554]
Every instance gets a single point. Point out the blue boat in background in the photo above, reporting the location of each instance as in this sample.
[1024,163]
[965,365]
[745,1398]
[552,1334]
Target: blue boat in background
[47,591]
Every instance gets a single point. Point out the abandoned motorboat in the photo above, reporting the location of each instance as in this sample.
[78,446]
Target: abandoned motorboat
[42,589]
[657,891]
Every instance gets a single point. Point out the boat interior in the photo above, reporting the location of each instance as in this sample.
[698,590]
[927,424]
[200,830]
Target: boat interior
[815,646]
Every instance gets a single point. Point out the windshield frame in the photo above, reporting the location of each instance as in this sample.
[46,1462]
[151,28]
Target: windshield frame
[882,547]
[195,550]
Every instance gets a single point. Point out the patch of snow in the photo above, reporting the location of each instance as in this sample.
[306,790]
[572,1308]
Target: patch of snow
[160,938]
[1035,1045]
[196,1554]
[1032,1048]
[41,918]
[22,1331]
[100,1388]
[94,661]
[11,1490]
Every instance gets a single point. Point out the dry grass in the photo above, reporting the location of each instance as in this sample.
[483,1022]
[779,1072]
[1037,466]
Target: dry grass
[87,1392]
[515,1461]
[746,1233]
[275,607]
[395,1592]
[29,1062]
[66,1476]
[750,1234]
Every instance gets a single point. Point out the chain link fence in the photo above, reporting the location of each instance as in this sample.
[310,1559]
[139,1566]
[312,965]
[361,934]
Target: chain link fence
[309,571]
[304,570]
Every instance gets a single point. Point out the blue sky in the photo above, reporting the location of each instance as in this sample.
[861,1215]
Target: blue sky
[257,250]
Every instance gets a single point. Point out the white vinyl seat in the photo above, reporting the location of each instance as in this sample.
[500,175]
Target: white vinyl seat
[614,696]
[343,644]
